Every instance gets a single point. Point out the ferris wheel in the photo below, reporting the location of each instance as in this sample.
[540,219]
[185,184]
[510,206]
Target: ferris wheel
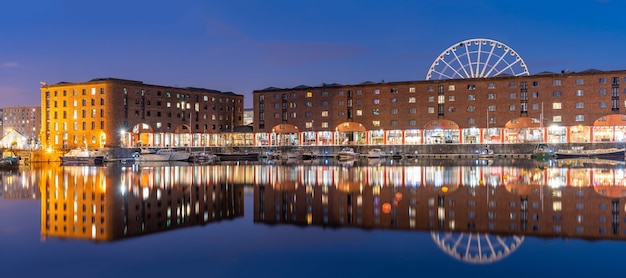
[477,58]
[477,248]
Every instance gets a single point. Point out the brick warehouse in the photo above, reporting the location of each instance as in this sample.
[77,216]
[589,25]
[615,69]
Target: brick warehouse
[109,112]
[565,107]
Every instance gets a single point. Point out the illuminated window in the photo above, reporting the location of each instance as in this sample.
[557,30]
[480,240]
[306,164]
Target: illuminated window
[324,124]
[556,105]
[412,90]
[309,94]
[412,99]
[359,112]
[556,206]
[324,113]
[556,119]
[376,123]
[451,88]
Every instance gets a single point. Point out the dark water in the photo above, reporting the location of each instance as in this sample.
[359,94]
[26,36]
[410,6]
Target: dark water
[325,218]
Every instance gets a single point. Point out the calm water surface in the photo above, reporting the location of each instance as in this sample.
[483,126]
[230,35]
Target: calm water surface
[280,219]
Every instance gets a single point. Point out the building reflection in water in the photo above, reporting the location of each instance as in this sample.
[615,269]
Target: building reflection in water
[475,213]
[18,185]
[112,203]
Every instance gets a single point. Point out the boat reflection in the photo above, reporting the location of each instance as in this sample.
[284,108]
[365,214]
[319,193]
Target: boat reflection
[113,203]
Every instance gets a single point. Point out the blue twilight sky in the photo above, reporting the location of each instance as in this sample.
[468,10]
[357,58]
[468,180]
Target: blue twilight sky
[245,45]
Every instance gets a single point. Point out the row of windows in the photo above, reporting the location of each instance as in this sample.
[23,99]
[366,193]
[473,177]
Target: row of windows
[75,92]
[76,125]
[431,110]
[94,113]
[75,103]
[556,82]
[180,115]
[491,96]
[181,96]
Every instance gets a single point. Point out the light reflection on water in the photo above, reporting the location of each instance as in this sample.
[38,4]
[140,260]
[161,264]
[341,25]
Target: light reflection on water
[476,211]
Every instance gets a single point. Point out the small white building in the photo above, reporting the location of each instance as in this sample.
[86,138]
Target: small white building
[15,140]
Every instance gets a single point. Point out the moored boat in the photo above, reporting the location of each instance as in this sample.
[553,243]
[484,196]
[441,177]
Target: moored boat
[542,151]
[175,155]
[616,153]
[309,154]
[148,155]
[82,156]
[347,153]
[7,163]
[375,153]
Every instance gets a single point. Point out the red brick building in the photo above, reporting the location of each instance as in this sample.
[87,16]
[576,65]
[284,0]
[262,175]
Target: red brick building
[564,107]
[109,112]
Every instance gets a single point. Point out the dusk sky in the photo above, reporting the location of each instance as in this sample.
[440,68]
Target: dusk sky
[244,45]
